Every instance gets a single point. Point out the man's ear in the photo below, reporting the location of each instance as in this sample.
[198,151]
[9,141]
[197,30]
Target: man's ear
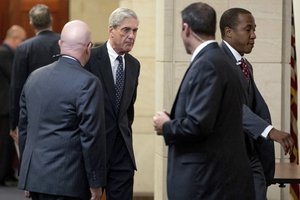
[186,29]
[228,32]
[59,42]
[110,28]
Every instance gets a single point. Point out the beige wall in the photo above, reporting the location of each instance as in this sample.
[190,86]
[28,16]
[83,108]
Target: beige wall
[163,61]
[95,13]
[144,50]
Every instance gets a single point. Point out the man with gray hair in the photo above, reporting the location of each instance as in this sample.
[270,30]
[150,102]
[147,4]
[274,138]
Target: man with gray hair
[61,127]
[35,52]
[119,72]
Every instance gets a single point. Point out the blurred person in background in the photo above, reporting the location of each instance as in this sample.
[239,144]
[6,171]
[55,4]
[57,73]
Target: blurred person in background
[32,54]
[14,36]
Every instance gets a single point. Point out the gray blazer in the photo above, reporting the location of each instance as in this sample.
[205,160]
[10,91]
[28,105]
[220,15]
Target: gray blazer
[207,155]
[61,131]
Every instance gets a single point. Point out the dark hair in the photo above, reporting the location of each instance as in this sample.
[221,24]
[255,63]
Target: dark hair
[201,17]
[40,17]
[230,18]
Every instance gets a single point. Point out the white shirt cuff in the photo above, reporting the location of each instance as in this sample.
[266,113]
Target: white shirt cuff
[266,131]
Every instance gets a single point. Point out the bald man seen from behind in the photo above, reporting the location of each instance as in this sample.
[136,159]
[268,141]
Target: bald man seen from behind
[61,126]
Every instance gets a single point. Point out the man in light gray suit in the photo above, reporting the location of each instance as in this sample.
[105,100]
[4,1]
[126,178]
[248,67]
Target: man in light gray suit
[61,126]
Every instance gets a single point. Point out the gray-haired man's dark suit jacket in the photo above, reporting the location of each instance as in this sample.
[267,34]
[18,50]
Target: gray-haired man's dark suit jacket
[99,64]
[118,124]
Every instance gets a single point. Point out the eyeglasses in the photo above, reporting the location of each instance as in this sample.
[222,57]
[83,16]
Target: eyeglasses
[90,44]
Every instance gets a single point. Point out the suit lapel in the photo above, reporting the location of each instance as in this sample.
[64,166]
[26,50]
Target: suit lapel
[209,46]
[228,52]
[232,58]
[129,85]
[106,73]
[104,66]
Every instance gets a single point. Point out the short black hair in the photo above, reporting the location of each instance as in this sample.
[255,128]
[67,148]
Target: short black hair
[201,17]
[230,18]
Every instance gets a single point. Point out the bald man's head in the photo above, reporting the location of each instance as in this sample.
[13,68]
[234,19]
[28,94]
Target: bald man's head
[14,36]
[75,39]
[75,34]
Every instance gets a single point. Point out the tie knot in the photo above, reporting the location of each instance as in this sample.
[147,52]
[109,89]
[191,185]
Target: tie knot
[244,67]
[119,58]
[242,60]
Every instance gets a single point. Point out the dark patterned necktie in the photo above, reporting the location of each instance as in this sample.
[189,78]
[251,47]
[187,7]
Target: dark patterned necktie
[244,68]
[119,82]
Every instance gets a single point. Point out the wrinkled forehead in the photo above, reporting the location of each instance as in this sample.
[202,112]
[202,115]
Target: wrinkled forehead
[129,22]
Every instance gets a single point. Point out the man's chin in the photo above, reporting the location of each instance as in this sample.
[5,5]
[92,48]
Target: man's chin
[247,51]
[127,49]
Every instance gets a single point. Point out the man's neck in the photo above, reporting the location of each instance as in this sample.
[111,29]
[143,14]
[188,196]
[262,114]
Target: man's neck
[42,30]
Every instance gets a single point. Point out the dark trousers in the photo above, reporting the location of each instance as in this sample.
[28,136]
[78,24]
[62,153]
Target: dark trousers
[259,178]
[41,196]
[120,172]
[260,185]
[7,150]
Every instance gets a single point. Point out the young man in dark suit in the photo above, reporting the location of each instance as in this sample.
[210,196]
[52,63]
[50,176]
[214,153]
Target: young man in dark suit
[118,72]
[14,36]
[237,27]
[61,127]
[206,148]
[33,53]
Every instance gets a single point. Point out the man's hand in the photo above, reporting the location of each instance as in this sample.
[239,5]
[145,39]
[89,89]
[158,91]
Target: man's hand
[158,121]
[27,194]
[96,193]
[15,136]
[283,138]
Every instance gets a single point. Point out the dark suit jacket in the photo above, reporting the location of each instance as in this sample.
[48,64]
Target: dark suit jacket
[207,155]
[6,59]
[256,118]
[61,131]
[99,65]
[30,55]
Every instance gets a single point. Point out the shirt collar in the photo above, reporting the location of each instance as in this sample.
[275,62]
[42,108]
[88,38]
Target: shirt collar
[200,47]
[43,31]
[111,52]
[236,54]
